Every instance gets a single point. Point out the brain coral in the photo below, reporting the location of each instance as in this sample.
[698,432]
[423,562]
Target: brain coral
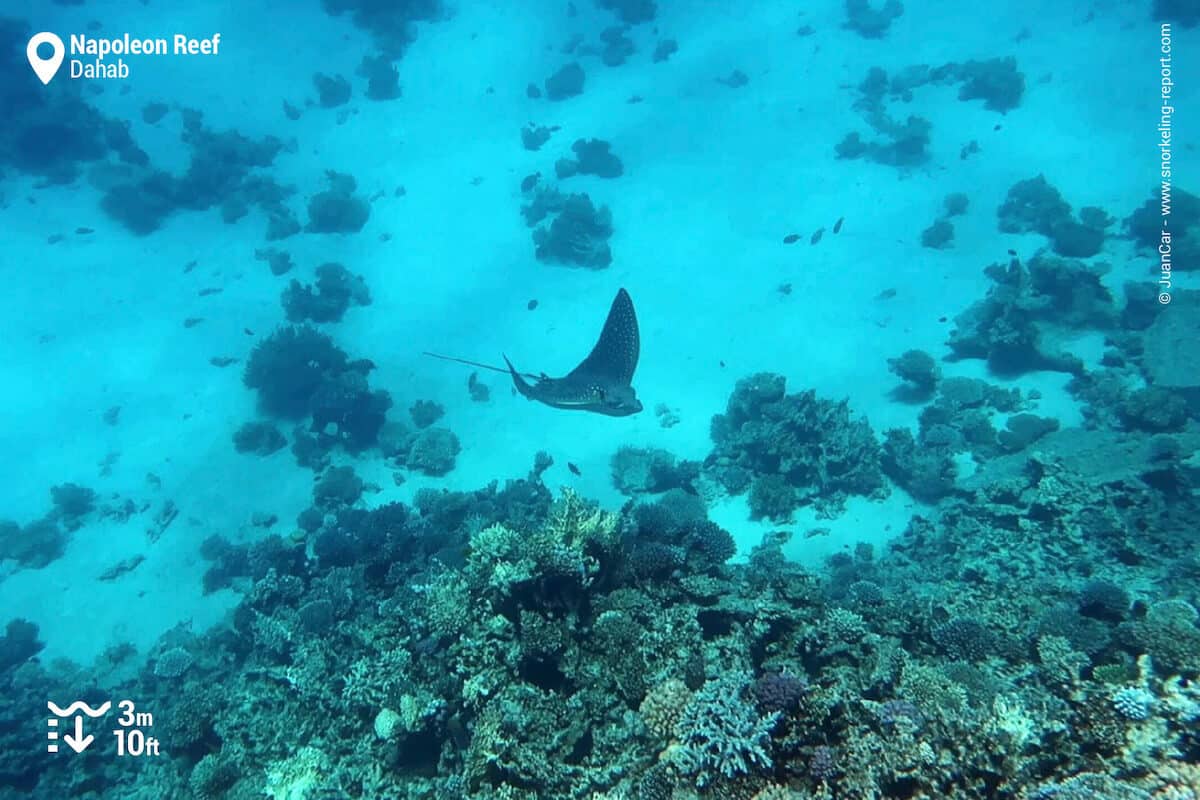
[663,705]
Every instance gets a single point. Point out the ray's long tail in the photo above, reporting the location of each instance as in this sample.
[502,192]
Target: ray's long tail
[469,363]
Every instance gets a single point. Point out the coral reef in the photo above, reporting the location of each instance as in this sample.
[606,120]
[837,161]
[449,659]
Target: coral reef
[872,23]
[425,412]
[299,373]
[337,209]
[392,26]
[631,12]
[903,144]
[500,643]
[1022,430]
[1006,327]
[258,437]
[1035,205]
[650,470]
[1182,240]
[226,171]
[18,644]
[346,411]
[617,46]
[288,367]
[1030,631]
[957,421]
[566,82]
[34,545]
[577,236]
[919,372]
[280,261]
[54,134]
[1168,360]
[383,79]
[331,91]
[592,157]
[955,204]
[664,50]
[720,734]
[71,503]
[335,291]
[534,136]
[938,235]
[995,81]
[791,450]
[433,451]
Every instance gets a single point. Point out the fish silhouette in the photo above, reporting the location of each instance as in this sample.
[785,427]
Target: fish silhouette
[602,383]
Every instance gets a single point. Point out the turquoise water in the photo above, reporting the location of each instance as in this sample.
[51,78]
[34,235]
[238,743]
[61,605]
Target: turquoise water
[847,449]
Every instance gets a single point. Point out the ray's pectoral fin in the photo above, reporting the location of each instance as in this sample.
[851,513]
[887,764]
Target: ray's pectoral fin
[615,356]
[606,374]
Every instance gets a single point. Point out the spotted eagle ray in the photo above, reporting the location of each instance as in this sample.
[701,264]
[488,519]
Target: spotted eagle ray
[602,381]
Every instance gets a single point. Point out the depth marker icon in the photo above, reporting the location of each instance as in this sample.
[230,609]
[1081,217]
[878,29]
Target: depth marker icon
[45,68]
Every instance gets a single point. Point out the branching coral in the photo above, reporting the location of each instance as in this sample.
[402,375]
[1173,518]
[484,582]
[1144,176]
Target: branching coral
[720,734]
[547,568]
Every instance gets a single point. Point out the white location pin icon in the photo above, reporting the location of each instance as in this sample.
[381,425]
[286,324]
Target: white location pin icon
[45,68]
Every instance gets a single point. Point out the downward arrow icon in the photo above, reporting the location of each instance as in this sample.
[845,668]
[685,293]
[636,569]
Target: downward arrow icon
[78,742]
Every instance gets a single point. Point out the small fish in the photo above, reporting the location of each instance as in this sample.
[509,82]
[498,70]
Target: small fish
[532,304]
[478,390]
[816,237]
[813,532]
[722,364]
[530,181]
[886,294]
[941,319]
[1012,252]
[574,469]
[837,226]
[247,331]
[791,238]
[82,231]
[784,288]
[210,290]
